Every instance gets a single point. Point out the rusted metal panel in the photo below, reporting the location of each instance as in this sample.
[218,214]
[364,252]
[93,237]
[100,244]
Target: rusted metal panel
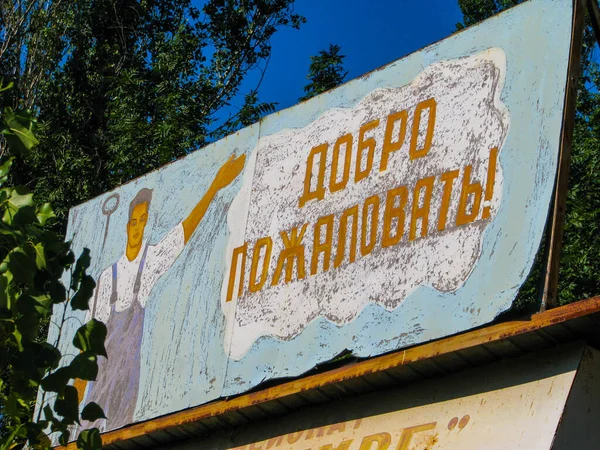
[402,207]
[516,404]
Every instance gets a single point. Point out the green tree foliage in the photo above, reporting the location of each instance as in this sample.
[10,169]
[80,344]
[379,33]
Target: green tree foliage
[325,72]
[33,261]
[579,276]
[121,87]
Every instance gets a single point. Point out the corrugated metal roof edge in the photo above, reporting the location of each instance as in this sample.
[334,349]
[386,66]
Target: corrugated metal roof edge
[540,327]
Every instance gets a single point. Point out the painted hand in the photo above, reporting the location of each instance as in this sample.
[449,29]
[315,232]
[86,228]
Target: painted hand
[229,172]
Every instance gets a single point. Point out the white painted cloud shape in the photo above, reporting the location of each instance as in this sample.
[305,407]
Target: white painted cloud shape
[470,121]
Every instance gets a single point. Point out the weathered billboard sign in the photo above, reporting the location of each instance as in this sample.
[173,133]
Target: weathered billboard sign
[403,206]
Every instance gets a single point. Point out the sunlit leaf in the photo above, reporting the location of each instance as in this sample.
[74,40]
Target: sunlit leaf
[91,337]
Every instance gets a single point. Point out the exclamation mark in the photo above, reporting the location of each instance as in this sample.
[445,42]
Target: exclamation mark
[489,185]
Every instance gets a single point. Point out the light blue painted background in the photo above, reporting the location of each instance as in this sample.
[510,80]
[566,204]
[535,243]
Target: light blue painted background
[535,37]
[183,360]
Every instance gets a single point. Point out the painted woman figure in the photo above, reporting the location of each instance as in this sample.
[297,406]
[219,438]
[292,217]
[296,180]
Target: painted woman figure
[123,290]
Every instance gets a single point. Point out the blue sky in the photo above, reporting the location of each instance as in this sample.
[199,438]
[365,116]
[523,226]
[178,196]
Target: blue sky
[371,33]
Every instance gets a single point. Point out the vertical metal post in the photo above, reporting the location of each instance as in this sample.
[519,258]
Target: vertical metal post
[557,218]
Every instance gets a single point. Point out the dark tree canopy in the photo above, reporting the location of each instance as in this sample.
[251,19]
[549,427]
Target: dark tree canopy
[325,72]
[579,276]
[121,87]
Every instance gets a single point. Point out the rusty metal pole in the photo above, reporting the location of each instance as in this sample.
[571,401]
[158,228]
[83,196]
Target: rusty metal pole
[557,218]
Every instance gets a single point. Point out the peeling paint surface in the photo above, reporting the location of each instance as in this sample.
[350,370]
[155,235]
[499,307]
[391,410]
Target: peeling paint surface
[519,403]
[466,187]
[470,120]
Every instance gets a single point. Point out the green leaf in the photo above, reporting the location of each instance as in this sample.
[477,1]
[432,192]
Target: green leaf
[57,381]
[57,291]
[6,305]
[21,264]
[84,366]
[5,169]
[7,87]
[18,198]
[91,337]
[19,132]
[44,213]
[92,412]
[18,338]
[89,440]
[27,324]
[67,405]
[40,256]
[82,298]
[47,356]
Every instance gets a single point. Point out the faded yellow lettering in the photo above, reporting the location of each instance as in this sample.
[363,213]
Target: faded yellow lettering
[389,144]
[274,442]
[237,252]
[365,144]
[424,185]
[292,438]
[339,427]
[322,247]
[319,432]
[319,192]
[367,242]
[267,243]
[382,440]
[414,152]
[468,189]
[342,233]
[293,251]
[408,433]
[346,141]
[448,179]
[489,184]
[345,445]
[394,212]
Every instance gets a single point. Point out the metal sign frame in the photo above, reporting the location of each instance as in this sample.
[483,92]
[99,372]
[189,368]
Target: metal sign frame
[556,219]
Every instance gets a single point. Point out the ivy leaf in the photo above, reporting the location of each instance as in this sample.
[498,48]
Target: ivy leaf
[92,412]
[44,213]
[21,263]
[89,440]
[57,381]
[91,337]
[5,169]
[18,198]
[57,291]
[18,339]
[47,356]
[40,256]
[84,366]
[67,405]
[19,130]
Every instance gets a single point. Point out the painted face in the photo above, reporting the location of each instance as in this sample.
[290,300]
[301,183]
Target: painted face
[136,225]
